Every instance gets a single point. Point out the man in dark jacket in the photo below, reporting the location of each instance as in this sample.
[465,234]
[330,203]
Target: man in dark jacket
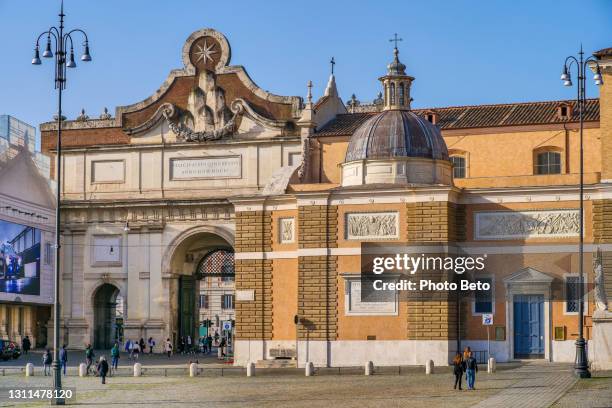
[26,344]
[471,366]
[89,356]
[103,369]
[63,358]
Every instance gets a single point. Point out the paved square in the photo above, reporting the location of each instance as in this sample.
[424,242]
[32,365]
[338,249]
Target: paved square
[531,385]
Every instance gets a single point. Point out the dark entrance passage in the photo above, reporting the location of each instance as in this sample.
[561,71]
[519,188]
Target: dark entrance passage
[105,307]
[529,326]
[187,306]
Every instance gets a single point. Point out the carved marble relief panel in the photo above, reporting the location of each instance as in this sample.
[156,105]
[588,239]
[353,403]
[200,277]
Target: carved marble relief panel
[375,225]
[526,224]
[286,230]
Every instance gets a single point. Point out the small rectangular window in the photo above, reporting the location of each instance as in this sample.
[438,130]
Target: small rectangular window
[227,301]
[203,301]
[548,163]
[572,294]
[458,166]
[483,299]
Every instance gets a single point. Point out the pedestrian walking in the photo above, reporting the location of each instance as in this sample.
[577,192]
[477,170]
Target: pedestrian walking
[63,357]
[458,369]
[189,344]
[222,346]
[136,351]
[466,354]
[102,369]
[128,345]
[47,359]
[209,341]
[471,368]
[142,345]
[151,345]
[89,356]
[168,347]
[26,344]
[114,357]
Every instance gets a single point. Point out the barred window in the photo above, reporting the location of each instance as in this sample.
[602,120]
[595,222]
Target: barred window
[548,163]
[572,294]
[227,301]
[458,166]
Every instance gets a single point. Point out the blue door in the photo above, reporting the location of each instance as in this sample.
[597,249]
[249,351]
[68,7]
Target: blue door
[529,326]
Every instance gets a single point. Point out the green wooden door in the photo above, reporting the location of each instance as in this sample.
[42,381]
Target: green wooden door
[187,306]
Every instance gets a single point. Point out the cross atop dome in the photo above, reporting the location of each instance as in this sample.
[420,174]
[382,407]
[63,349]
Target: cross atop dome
[396,83]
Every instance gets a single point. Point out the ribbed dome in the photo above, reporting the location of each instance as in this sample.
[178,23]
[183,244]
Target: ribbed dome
[396,133]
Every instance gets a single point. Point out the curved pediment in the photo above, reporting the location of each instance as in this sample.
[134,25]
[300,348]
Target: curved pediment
[205,90]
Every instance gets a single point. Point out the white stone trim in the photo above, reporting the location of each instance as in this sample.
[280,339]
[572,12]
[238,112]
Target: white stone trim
[429,249]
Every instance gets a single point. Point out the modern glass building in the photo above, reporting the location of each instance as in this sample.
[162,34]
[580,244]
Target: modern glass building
[14,134]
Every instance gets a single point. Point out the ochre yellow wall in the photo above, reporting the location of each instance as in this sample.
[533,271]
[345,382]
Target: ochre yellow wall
[495,159]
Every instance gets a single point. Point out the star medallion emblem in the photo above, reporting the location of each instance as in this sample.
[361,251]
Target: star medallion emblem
[204,52]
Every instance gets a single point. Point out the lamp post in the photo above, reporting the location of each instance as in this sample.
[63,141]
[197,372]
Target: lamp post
[581,367]
[59,40]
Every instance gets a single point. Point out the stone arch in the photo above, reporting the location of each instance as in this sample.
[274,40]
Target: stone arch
[223,232]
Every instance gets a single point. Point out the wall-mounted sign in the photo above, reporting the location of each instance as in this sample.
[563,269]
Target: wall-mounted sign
[206,167]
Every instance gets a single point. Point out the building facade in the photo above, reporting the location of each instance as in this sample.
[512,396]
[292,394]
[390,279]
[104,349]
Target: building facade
[290,190]
[27,218]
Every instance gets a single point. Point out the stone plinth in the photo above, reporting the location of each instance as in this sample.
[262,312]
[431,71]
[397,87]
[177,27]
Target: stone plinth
[601,349]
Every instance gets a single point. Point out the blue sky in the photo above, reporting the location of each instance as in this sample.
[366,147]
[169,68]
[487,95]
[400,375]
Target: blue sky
[461,52]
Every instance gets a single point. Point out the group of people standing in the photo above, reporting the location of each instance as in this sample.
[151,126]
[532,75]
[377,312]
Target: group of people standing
[467,364]
[134,348]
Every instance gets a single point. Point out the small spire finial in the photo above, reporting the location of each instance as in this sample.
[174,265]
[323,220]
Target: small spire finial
[332,63]
[309,94]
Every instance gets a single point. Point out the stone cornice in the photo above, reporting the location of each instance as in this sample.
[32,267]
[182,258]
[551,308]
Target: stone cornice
[178,145]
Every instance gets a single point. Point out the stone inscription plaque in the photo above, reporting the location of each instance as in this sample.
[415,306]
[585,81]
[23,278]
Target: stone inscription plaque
[206,168]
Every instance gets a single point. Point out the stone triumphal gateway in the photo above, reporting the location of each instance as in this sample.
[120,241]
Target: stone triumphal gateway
[215,206]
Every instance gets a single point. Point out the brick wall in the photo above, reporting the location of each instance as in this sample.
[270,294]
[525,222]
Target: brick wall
[317,275]
[317,297]
[318,226]
[432,222]
[253,234]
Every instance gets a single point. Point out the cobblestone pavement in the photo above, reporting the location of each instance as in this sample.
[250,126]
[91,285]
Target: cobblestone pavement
[539,386]
[595,392]
[289,388]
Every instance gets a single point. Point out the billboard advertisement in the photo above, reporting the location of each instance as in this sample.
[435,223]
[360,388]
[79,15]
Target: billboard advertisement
[19,259]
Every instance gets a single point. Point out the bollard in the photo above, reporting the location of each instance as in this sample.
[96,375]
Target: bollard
[491,365]
[219,353]
[29,370]
[193,369]
[137,370]
[429,367]
[82,370]
[309,370]
[250,369]
[369,368]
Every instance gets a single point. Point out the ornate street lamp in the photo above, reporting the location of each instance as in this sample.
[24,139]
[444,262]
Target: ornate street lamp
[59,41]
[581,366]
